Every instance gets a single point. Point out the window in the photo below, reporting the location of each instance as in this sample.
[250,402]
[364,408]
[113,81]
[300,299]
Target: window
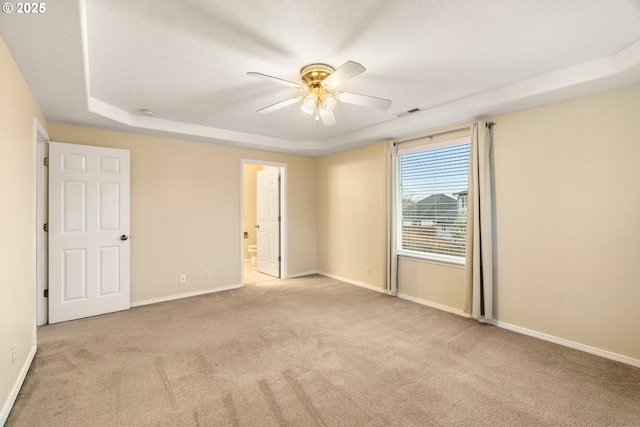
[433,185]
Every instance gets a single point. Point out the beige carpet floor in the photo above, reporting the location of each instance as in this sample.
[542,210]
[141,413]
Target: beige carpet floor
[312,352]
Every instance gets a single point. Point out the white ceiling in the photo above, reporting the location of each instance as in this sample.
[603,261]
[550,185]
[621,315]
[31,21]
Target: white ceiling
[98,62]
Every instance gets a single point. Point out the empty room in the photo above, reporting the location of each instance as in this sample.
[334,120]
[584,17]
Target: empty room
[306,213]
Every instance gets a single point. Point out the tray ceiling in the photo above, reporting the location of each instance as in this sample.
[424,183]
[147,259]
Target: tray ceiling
[98,63]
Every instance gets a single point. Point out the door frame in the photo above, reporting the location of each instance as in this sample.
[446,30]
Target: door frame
[40,217]
[283,214]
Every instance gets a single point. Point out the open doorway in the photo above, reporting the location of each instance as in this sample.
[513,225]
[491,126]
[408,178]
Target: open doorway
[263,221]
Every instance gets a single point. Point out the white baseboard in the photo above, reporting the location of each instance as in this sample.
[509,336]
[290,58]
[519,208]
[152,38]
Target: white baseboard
[567,343]
[354,282]
[6,408]
[185,295]
[546,337]
[434,305]
[306,273]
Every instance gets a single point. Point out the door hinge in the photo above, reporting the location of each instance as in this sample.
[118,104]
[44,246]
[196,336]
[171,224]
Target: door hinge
[279,259]
[279,178]
[46,227]
[46,293]
[46,161]
[279,218]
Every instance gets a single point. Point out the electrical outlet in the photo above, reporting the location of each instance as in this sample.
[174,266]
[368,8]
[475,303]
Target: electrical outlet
[367,270]
[207,275]
[183,278]
[14,354]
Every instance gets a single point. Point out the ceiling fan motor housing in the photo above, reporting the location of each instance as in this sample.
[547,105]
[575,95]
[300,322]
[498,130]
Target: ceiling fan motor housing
[312,75]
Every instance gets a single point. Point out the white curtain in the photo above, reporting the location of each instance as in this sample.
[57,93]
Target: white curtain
[391,284]
[479,257]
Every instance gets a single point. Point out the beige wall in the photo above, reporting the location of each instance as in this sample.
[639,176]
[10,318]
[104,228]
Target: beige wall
[17,183]
[351,215]
[437,283]
[567,199]
[185,210]
[567,235]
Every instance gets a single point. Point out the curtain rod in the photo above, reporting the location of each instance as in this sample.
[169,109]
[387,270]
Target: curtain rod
[434,134]
[488,124]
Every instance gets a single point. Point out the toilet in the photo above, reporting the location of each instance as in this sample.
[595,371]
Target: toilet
[253,251]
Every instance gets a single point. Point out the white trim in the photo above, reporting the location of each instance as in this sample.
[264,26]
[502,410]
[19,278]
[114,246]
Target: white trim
[430,259]
[41,132]
[8,404]
[184,295]
[567,343]
[434,305]
[40,236]
[354,282]
[306,273]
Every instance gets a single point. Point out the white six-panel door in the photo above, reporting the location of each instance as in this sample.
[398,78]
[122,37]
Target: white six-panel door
[269,221]
[89,247]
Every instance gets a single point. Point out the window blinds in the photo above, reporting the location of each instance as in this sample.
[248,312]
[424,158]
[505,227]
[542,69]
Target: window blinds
[433,189]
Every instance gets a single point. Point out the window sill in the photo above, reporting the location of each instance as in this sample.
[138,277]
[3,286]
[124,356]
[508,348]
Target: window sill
[448,262]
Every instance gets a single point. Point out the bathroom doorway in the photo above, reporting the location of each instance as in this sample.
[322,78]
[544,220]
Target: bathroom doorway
[263,221]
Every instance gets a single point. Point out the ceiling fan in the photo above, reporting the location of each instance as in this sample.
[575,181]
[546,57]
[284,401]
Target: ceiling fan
[320,81]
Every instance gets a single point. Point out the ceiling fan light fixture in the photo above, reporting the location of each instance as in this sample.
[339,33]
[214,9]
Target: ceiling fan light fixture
[329,102]
[309,103]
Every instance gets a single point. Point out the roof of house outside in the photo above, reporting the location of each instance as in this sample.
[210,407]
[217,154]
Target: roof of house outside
[437,207]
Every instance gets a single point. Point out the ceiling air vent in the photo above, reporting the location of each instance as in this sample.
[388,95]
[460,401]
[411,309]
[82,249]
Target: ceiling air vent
[412,111]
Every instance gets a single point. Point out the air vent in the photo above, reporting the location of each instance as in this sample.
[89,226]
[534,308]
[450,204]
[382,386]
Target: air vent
[408,112]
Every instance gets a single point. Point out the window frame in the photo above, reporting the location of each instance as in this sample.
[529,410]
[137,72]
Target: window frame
[417,148]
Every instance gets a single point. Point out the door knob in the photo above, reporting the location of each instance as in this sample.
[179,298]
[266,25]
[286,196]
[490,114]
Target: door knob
[123,237]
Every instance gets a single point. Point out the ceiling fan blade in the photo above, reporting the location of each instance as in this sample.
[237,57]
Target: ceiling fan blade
[364,100]
[274,79]
[328,119]
[279,105]
[347,71]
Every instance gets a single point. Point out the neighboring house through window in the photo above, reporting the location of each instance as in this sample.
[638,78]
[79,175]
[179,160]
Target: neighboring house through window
[462,200]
